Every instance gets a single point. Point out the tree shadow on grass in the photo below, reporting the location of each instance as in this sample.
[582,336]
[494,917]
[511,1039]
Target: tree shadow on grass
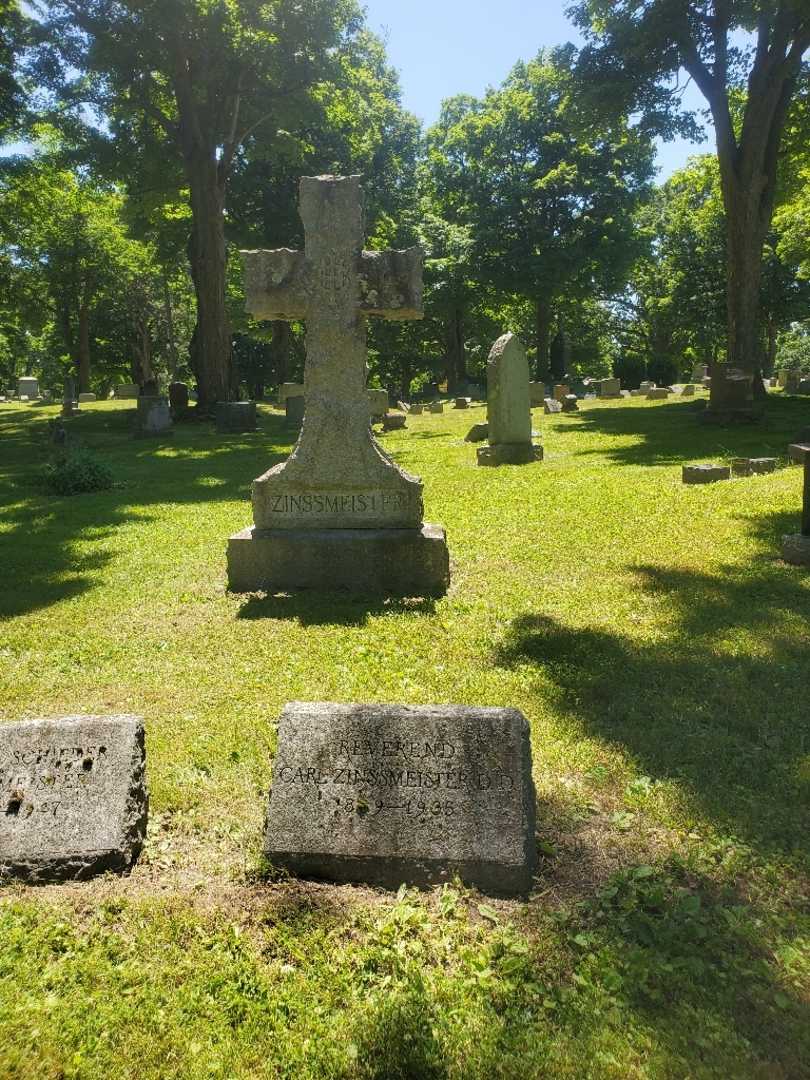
[39,532]
[316,608]
[717,703]
[672,433]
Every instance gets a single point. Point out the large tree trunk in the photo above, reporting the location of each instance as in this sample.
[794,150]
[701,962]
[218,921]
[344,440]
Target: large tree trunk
[455,353]
[542,315]
[733,397]
[174,360]
[748,158]
[83,347]
[211,346]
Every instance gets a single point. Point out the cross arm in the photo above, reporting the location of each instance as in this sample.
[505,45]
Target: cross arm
[276,285]
[391,284]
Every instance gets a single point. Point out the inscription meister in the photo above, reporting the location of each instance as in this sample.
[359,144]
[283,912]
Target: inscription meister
[337,504]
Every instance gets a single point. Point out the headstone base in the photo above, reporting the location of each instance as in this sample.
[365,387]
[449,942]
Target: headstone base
[705,474]
[391,562]
[796,549]
[510,454]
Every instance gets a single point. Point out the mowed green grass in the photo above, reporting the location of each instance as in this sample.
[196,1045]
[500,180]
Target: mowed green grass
[649,632]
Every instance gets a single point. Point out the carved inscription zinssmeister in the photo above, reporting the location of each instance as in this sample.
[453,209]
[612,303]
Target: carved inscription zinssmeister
[323,503]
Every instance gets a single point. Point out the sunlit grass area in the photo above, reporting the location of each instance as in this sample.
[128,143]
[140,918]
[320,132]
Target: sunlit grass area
[649,632]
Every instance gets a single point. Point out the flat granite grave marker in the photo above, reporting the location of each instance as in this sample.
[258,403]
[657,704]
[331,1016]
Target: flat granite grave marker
[386,794]
[339,513]
[707,473]
[73,797]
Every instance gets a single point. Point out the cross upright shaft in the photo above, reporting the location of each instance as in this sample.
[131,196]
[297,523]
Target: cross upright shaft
[335,286]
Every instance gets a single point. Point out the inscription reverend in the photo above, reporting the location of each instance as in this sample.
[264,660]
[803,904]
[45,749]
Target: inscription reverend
[72,796]
[387,794]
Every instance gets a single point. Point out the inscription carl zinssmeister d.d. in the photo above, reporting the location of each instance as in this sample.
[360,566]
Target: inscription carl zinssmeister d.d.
[385,794]
[73,799]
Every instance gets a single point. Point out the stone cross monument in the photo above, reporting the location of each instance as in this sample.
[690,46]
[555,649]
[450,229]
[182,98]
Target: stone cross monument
[339,513]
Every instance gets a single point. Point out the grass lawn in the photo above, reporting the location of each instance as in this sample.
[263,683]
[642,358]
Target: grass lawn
[649,632]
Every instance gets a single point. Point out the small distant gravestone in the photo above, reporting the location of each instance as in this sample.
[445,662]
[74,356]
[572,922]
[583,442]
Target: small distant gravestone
[416,409]
[658,393]
[799,453]
[386,794]
[461,403]
[295,406]
[28,387]
[508,406]
[404,406]
[561,392]
[152,416]
[178,400]
[233,417]
[753,466]
[537,393]
[394,422]
[706,474]
[551,406]
[700,372]
[796,548]
[127,391]
[436,407]
[86,399]
[570,403]
[73,797]
[688,390]
[70,405]
[610,388]
[477,433]
[378,403]
[289,389]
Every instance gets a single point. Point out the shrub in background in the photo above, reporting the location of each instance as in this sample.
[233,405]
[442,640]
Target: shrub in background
[77,471]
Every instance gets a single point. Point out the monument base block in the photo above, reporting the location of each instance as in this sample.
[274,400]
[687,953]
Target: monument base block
[390,562]
[796,549]
[510,454]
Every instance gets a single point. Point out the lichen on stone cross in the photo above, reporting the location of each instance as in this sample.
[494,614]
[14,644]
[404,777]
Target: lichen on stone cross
[337,476]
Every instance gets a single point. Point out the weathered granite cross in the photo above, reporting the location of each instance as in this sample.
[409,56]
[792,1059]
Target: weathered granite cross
[338,476]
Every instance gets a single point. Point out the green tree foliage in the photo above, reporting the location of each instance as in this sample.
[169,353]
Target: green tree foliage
[199,81]
[12,37]
[546,194]
[673,313]
[636,53]
[80,280]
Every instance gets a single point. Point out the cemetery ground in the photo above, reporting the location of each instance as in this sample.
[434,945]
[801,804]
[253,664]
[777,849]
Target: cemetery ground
[649,632]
